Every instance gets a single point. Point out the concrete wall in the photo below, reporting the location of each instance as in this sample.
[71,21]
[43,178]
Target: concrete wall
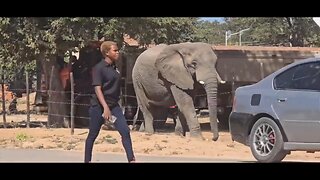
[253,63]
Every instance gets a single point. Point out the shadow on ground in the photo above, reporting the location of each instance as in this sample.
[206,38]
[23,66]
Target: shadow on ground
[205,127]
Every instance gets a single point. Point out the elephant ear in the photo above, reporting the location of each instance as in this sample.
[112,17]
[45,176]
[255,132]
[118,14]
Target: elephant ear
[170,63]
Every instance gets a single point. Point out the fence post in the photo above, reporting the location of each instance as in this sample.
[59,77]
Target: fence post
[72,103]
[3,99]
[28,98]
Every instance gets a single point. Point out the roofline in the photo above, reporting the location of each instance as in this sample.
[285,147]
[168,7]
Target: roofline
[264,48]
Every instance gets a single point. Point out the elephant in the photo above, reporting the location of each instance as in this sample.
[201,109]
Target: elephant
[165,75]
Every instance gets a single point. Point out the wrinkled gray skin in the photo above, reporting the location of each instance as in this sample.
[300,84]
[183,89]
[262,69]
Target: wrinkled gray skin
[164,75]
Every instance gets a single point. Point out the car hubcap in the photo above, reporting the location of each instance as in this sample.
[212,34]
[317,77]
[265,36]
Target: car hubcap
[264,139]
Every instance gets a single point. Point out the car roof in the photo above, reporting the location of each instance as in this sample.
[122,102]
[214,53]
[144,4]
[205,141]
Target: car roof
[279,71]
[296,62]
[305,61]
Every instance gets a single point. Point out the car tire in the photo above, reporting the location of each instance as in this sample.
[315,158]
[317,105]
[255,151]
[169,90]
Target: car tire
[266,141]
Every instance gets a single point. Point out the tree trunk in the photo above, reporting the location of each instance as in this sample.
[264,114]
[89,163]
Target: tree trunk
[57,107]
[41,90]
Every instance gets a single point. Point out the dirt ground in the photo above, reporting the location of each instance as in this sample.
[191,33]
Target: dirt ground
[163,142]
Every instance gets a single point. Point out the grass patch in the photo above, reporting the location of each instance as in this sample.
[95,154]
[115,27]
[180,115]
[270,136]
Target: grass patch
[22,137]
[109,139]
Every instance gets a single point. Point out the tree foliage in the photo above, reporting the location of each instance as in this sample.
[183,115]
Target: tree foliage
[277,31]
[159,30]
[210,32]
[23,39]
[27,40]
[273,31]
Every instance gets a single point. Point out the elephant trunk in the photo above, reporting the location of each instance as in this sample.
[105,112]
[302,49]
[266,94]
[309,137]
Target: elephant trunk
[211,90]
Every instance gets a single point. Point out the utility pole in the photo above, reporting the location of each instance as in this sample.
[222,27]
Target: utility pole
[228,35]
[240,34]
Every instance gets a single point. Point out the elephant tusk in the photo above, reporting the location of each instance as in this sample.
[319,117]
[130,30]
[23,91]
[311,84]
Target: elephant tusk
[201,82]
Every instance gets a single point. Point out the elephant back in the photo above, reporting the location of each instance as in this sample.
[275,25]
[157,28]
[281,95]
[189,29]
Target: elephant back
[146,60]
[149,56]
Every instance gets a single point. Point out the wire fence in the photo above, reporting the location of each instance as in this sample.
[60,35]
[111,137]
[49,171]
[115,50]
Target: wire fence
[69,102]
[10,106]
[72,102]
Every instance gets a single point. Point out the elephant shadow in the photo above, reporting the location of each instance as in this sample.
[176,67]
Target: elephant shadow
[205,127]
[223,124]
[169,127]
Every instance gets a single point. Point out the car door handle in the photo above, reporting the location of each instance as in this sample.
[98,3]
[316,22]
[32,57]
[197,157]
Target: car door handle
[282,99]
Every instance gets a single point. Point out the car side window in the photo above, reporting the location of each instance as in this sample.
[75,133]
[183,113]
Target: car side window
[304,76]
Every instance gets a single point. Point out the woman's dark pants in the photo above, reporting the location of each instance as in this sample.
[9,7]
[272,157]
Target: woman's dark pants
[95,123]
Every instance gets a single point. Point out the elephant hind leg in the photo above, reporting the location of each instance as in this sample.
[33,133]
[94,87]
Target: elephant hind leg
[142,101]
[154,116]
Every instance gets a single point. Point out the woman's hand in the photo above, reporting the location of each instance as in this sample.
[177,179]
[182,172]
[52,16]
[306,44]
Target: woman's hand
[106,114]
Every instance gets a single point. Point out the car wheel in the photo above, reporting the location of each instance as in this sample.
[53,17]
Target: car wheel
[266,141]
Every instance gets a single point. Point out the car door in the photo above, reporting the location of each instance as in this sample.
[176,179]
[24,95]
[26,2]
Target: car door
[296,102]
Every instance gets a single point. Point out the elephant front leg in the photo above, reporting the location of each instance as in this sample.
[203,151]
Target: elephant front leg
[187,110]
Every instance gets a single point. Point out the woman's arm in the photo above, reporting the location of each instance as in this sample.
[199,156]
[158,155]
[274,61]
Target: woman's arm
[106,111]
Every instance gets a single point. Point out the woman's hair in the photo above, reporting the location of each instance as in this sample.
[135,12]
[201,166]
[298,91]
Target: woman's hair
[106,46]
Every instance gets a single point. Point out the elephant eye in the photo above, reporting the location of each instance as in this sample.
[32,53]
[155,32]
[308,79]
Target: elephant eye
[194,63]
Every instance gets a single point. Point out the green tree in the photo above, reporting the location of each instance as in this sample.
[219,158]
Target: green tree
[210,32]
[148,30]
[26,42]
[277,31]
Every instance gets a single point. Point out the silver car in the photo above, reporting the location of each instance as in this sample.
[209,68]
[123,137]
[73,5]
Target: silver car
[280,113]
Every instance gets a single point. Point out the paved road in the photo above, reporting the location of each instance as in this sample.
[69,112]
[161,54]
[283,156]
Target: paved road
[44,155]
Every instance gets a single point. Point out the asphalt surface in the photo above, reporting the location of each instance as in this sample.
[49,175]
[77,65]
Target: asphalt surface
[51,156]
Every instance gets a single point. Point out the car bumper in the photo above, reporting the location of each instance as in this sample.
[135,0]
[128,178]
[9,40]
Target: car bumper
[239,124]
